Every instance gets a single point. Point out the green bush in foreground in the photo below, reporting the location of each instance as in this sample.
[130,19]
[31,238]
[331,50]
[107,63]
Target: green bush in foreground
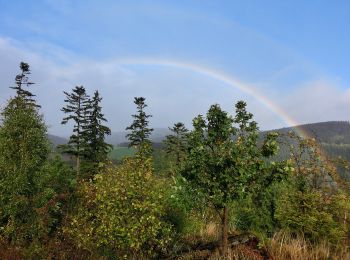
[121,211]
[312,214]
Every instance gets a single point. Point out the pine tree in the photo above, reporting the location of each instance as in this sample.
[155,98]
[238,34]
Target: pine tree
[24,148]
[95,132]
[176,142]
[76,108]
[140,132]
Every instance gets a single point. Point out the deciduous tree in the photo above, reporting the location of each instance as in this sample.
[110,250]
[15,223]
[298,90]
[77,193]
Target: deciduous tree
[24,148]
[223,161]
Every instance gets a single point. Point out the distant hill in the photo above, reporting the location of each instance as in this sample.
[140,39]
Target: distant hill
[116,138]
[334,137]
[57,140]
[328,133]
[158,135]
[333,132]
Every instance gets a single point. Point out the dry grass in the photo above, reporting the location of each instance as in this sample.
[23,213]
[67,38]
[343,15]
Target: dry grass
[283,247]
[240,252]
[9,252]
[211,233]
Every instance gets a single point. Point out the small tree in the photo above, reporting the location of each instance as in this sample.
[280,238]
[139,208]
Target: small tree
[314,189]
[121,213]
[95,132]
[176,142]
[24,148]
[140,132]
[76,108]
[223,161]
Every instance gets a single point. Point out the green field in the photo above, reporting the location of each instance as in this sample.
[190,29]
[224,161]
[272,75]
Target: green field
[118,153]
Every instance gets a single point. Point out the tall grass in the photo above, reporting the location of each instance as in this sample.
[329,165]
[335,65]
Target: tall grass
[284,247]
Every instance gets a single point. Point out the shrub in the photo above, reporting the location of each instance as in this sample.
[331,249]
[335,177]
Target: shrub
[310,213]
[120,212]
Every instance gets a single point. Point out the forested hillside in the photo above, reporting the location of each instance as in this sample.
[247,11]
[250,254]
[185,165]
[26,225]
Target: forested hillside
[333,132]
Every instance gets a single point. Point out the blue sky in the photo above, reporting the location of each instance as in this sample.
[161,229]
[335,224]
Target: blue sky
[293,52]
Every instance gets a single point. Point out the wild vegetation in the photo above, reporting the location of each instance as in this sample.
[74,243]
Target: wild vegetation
[218,191]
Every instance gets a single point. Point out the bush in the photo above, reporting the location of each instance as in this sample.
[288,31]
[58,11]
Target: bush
[120,212]
[310,213]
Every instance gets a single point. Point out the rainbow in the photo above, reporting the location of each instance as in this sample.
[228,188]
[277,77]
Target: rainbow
[223,77]
[230,81]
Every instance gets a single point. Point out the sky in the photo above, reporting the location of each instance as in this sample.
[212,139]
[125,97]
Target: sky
[289,60]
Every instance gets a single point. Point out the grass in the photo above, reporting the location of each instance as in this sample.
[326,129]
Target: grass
[282,246]
[119,153]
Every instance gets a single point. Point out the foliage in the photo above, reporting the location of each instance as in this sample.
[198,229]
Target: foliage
[162,164]
[311,213]
[140,132]
[176,142]
[306,205]
[97,148]
[24,149]
[76,110]
[310,164]
[120,213]
[56,187]
[221,167]
[184,205]
[22,80]
[118,153]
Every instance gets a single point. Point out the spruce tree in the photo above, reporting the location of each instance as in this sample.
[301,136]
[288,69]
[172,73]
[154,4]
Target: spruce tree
[76,108]
[95,132]
[176,142]
[140,132]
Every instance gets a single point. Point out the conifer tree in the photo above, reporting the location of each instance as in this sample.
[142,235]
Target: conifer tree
[140,132]
[22,80]
[76,108]
[176,142]
[95,132]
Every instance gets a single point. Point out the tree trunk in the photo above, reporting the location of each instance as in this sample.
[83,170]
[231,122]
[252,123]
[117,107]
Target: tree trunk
[78,165]
[224,234]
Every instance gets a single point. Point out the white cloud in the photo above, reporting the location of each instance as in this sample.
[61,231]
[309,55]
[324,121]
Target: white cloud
[320,100]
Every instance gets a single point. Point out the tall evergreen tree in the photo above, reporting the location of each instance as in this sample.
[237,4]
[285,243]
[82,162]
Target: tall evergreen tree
[21,81]
[76,108]
[95,132]
[176,143]
[140,132]
[24,148]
